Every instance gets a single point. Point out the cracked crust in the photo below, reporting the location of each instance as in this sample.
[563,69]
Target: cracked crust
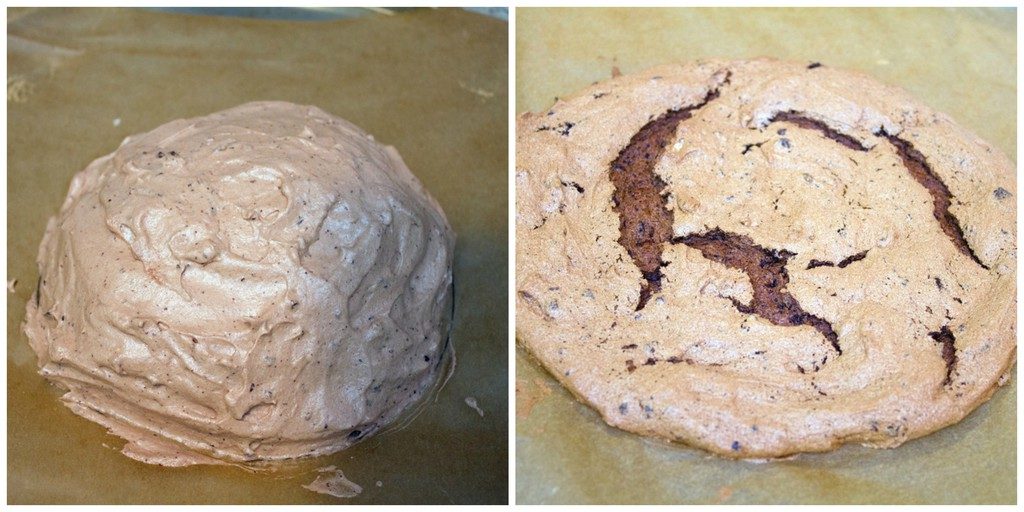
[643,201]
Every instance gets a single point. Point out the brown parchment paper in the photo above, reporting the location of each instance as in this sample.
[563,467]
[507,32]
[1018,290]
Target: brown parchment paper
[432,83]
[962,62]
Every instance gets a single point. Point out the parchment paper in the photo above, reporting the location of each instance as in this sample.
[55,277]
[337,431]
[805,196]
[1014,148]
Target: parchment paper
[962,62]
[432,83]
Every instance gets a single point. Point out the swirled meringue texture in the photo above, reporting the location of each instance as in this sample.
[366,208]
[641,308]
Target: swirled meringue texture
[263,283]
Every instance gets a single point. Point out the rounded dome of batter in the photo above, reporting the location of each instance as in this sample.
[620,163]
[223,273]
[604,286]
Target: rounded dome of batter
[265,282]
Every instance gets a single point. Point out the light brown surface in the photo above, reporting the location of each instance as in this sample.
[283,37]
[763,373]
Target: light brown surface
[414,80]
[630,469]
[699,363]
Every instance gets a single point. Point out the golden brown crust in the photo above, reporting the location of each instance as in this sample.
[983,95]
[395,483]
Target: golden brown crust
[893,227]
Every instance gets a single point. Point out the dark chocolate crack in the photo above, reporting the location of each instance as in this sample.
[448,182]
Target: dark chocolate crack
[645,225]
[842,264]
[942,198]
[946,338]
[766,269]
[797,118]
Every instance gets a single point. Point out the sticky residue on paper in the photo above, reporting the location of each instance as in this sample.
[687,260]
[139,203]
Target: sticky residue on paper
[332,481]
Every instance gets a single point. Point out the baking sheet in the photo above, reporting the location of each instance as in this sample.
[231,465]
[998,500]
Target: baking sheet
[433,83]
[959,61]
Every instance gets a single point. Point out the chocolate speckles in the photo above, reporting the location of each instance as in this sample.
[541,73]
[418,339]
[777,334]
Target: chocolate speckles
[563,128]
[841,264]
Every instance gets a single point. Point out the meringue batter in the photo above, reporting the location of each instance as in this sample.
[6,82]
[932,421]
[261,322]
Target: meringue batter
[263,283]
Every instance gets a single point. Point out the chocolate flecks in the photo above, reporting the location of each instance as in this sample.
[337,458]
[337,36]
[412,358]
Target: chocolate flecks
[647,409]
[535,304]
[794,117]
[630,366]
[1001,193]
[814,65]
[574,185]
[766,269]
[842,264]
[748,147]
[644,222]
[938,283]
[850,259]
[631,346]
[917,164]
[651,361]
[819,263]
[736,446]
[946,338]
[562,128]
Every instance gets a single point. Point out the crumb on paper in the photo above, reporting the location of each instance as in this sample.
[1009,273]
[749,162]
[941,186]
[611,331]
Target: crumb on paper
[470,401]
[724,493]
[528,395]
[11,285]
[117,121]
[18,89]
[483,93]
[332,482]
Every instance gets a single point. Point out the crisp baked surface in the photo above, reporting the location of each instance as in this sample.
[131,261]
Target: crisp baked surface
[762,258]
[266,282]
